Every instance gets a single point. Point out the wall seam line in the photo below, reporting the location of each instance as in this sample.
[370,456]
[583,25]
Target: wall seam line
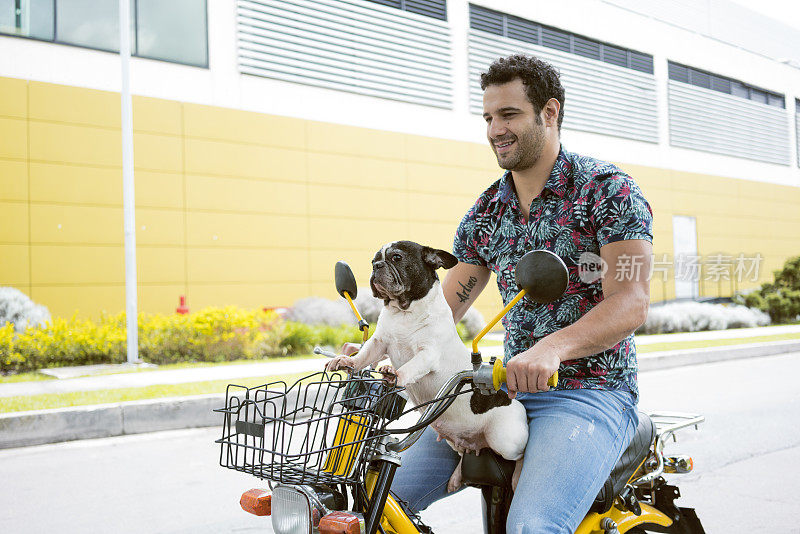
[28,167]
[185,205]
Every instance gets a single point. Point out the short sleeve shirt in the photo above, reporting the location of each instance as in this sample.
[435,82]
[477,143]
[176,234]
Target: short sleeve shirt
[585,204]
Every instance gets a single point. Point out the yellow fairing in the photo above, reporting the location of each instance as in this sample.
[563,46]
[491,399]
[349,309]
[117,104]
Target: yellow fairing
[351,428]
[624,520]
[394,519]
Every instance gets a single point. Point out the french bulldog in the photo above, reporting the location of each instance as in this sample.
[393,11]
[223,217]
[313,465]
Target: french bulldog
[415,330]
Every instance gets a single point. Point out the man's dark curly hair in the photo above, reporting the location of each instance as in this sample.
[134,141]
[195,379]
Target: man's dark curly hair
[541,80]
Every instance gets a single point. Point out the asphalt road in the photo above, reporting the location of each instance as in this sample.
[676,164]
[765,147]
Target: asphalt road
[747,463]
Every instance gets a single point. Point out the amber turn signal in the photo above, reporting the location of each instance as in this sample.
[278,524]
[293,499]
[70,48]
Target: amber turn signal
[341,523]
[257,502]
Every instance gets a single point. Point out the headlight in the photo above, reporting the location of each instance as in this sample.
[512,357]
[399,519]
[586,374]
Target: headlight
[291,511]
[296,509]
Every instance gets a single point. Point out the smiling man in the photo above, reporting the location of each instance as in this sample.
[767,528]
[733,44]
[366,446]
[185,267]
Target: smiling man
[587,212]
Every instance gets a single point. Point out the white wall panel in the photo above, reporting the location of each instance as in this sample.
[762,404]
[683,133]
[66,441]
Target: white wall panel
[797,129]
[702,119]
[725,21]
[600,97]
[349,45]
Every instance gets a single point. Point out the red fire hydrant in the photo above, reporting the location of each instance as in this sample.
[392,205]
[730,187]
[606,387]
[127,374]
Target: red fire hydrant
[183,309]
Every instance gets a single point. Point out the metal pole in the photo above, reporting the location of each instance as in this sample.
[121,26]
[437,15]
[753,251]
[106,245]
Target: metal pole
[128,191]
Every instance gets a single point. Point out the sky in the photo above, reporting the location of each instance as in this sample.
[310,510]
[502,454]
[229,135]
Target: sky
[786,11]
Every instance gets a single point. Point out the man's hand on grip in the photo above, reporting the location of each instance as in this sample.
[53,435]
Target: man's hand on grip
[529,371]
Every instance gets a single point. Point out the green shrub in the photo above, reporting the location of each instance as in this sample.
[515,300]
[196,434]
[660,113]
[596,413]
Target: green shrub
[780,298]
[463,332]
[299,338]
[209,335]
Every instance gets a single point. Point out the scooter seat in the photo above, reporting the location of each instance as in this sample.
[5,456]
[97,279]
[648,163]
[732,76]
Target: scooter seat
[490,469]
[629,462]
[487,469]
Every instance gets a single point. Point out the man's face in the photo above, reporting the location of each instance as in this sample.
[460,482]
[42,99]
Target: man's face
[515,131]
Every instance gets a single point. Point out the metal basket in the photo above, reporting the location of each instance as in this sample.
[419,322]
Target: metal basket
[319,430]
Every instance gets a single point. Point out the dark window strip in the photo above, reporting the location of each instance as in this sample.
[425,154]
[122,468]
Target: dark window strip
[641,62]
[134,37]
[436,9]
[699,78]
[498,23]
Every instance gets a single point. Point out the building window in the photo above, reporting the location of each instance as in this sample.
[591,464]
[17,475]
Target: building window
[692,76]
[513,27]
[436,9]
[91,24]
[173,31]
[27,18]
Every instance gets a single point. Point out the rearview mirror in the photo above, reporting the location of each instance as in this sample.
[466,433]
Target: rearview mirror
[345,281]
[542,275]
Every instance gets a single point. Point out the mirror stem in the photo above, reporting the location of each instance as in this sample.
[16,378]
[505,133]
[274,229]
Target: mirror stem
[362,324]
[494,321]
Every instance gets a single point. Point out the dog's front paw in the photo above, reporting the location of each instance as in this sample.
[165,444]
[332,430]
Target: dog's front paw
[388,372]
[340,362]
[401,379]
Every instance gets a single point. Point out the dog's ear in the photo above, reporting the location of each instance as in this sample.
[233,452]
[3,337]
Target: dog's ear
[438,258]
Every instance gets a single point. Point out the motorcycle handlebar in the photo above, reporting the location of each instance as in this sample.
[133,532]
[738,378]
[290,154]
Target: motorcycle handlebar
[432,412]
[485,378]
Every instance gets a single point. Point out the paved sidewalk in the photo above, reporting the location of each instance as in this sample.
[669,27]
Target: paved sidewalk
[731,333]
[175,376]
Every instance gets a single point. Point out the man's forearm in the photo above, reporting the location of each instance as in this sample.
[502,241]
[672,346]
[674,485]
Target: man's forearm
[462,285]
[605,325]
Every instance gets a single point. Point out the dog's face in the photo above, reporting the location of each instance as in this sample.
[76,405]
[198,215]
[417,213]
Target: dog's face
[405,271]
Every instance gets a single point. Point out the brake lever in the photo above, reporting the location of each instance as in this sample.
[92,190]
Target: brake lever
[323,352]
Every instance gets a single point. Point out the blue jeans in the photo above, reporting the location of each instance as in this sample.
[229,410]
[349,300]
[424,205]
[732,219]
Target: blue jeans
[575,439]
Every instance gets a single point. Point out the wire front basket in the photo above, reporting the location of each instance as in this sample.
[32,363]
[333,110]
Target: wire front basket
[319,430]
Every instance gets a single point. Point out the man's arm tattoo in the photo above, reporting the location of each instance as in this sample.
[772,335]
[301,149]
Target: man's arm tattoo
[466,289]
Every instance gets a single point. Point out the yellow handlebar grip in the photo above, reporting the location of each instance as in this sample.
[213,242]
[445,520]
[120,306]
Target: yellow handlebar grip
[553,380]
[499,376]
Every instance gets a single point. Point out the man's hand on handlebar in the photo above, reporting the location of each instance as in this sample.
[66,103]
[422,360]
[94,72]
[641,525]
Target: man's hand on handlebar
[529,371]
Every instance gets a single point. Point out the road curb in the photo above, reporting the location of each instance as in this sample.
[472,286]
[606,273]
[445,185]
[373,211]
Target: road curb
[21,429]
[678,358]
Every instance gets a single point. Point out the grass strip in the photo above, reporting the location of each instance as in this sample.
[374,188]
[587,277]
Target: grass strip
[104,396]
[702,344]
[33,376]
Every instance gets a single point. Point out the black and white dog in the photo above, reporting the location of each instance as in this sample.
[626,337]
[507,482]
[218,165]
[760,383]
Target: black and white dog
[416,332]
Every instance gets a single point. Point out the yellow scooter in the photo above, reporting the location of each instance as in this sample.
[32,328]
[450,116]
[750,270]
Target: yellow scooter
[327,447]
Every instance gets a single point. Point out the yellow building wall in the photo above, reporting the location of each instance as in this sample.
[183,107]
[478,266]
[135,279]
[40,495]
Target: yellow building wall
[235,207]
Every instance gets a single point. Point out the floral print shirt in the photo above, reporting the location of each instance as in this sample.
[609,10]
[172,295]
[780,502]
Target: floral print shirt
[585,204]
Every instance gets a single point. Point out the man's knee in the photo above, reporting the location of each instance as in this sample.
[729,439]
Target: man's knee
[530,520]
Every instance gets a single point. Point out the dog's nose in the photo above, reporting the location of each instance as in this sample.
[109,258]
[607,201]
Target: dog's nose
[379,265]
